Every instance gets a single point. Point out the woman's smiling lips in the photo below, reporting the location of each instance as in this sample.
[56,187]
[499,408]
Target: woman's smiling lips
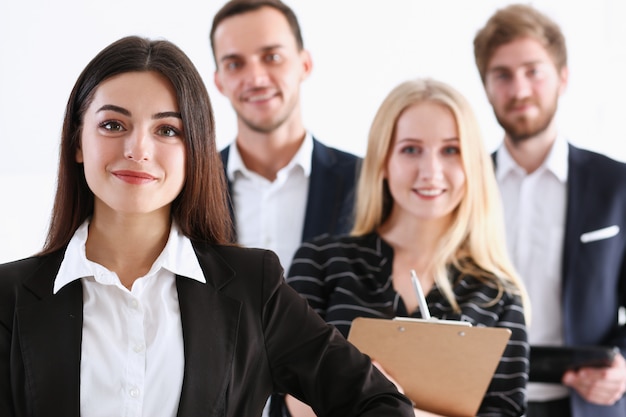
[134,177]
[428,192]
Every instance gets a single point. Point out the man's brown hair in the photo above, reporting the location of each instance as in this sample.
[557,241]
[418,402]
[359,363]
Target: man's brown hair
[514,22]
[237,7]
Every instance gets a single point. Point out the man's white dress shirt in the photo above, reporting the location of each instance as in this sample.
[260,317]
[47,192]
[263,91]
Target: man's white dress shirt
[534,210]
[270,214]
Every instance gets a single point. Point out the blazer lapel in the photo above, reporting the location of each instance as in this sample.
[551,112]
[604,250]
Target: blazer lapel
[50,335]
[231,209]
[326,191]
[577,186]
[210,325]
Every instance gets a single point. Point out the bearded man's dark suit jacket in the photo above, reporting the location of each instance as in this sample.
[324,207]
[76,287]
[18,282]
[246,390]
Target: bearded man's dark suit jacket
[331,190]
[594,272]
[246,333]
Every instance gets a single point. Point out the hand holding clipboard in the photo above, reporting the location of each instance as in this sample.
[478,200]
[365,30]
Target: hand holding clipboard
[434,360]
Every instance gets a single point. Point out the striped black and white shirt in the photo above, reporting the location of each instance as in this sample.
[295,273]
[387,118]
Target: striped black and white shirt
[348,277]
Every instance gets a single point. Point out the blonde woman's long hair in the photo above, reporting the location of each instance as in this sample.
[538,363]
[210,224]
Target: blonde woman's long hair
[474,243]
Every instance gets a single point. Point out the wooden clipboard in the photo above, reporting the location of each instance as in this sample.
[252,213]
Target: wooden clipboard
[443,368]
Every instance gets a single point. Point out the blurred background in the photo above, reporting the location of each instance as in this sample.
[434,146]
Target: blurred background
[360,49]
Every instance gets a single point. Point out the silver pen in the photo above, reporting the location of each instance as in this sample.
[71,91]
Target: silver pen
[420,296]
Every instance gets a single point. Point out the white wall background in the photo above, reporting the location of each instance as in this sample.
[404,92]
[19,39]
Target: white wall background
[361,49]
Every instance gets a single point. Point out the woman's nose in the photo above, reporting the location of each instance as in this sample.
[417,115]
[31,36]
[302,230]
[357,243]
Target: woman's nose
[138,146]
[430,165]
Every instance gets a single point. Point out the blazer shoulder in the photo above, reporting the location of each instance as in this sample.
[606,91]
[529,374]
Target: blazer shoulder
[36,272]
[234,254]
[598,165]
[235,260]
[224,155]
[326,153]
[32,272]
[595,158]
[19,270]
[245,274]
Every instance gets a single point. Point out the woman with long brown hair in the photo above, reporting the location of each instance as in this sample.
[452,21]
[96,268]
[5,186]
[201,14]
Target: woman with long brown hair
[139,304]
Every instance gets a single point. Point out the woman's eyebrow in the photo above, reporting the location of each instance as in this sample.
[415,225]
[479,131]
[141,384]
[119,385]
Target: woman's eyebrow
[113,107]
[118,109]
[165,114]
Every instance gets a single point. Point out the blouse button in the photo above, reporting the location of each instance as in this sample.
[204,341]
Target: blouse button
[134,392]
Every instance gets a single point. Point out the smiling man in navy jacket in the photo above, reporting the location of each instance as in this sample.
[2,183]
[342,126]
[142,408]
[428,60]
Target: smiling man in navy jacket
[565,211]
[285,185]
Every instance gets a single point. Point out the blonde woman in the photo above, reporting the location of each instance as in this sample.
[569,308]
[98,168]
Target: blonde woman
[426,201]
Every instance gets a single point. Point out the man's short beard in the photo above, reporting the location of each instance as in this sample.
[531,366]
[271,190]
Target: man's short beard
[263,128]
[523,128]
[519,134]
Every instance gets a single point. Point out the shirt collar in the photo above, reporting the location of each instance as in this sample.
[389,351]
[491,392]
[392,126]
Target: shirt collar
[177,257]
[556,161]
[302,158]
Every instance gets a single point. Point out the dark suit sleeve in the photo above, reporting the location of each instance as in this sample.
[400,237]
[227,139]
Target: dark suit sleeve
[313,362]
[7,305]
[618,336]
